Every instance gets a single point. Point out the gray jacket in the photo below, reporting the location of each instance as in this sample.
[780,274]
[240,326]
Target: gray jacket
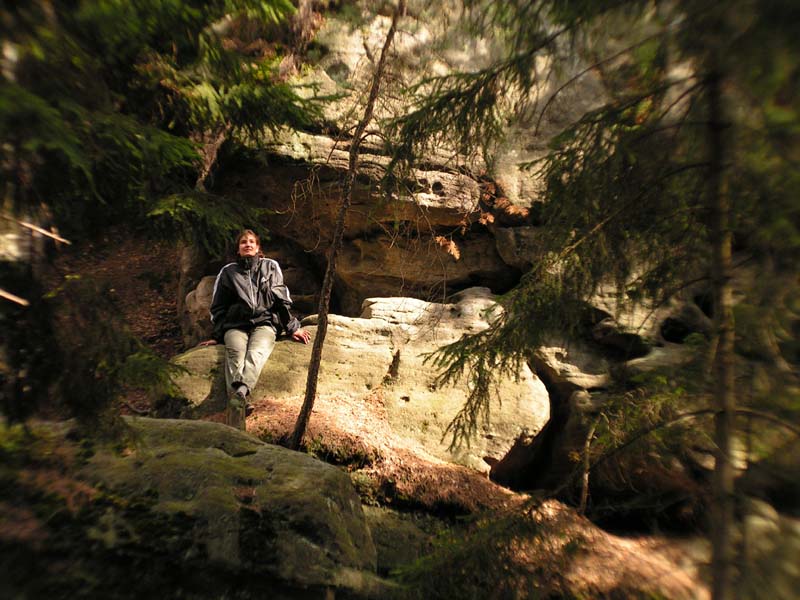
[248,293]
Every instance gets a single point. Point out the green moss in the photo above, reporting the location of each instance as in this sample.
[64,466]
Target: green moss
[366,487]
[13,440]
[194,510]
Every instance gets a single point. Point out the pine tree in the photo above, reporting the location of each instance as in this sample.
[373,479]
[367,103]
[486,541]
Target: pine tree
[112,113]
[338,235]
[694,148]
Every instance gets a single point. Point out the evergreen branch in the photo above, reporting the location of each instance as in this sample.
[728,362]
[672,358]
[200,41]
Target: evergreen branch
[669,294]
[690,90]
[598,116]
[500,350]
[580,74]
[689,416]
[624,207]
[464,106]
[609,59]
[643,432]
[556,281]
[464,425]
[770,418]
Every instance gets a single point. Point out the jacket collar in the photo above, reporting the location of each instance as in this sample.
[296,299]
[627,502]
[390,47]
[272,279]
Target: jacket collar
[248,263]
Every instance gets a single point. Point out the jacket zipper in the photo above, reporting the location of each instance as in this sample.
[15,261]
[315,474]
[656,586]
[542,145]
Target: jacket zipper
[252,292]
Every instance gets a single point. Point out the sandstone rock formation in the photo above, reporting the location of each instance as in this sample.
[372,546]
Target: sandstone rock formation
[771,547]
[297,518]
[386,348]
[183,509]
[578,375]
[197,509]
[531,441]
[453,222]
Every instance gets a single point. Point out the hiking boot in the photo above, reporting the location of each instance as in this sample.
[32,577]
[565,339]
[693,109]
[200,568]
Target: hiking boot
[248,409]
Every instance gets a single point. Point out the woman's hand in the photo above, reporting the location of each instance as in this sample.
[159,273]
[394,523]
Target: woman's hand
[208,343]
[301,335]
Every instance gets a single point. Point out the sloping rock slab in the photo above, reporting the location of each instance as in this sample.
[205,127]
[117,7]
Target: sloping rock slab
[249,505]
[386,348]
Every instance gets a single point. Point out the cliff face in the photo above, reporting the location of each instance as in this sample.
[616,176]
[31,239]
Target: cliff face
[459,222]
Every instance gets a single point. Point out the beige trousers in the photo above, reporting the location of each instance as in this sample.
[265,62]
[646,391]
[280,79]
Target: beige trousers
[246,354]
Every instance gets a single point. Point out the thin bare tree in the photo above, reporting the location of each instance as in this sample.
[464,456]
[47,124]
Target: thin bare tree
[722,509]
[338,234]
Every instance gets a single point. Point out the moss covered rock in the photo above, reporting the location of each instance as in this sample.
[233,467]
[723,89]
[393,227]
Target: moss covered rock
[182,509]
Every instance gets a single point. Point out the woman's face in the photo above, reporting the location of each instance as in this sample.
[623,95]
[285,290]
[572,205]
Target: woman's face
[248,245]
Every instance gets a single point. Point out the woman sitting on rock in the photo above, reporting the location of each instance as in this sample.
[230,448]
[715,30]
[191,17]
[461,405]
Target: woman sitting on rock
[249,309]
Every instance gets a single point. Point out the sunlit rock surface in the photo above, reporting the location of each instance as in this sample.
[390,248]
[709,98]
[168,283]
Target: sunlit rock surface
[444,213]
[387,347]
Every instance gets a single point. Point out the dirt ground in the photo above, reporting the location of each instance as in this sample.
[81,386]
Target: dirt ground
[143,275]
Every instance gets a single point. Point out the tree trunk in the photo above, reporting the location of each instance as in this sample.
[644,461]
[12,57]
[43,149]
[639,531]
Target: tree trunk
[722,511]
[303,26]
[336,244]
[210,142]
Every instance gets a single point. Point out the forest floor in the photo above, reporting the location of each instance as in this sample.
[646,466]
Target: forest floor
[143,275]
[392,470]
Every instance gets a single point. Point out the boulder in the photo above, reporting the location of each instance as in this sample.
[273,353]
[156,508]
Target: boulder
[573,365]
[437,197]
[193,509]
[310,527]
[193,260]
[387,347]
[633,482]
[197,317]
[379,266]
[399,538]
[517,246]
[687,319]
[770,563]
[776,477]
